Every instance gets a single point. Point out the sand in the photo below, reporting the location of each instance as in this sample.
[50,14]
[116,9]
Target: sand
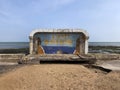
[58,77]
[110,81]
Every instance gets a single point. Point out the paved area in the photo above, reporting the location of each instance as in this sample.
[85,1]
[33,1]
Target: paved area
[8,63]
[113,65]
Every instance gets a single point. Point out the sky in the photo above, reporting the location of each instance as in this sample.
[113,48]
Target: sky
[100,18]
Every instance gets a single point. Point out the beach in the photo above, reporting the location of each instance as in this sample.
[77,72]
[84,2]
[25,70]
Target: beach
[61,75]
[58,77]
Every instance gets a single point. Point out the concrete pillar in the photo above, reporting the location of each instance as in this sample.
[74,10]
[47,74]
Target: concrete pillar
[82,44]
[86,46]
[31,45]
[36,46]
[80,47]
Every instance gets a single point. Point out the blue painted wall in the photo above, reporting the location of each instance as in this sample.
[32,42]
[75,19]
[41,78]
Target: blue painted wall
[52,43]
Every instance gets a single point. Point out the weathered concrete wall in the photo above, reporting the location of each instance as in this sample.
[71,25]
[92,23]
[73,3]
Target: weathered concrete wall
[10,57]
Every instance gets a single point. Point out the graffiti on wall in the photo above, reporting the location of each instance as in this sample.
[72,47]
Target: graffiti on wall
[52,43]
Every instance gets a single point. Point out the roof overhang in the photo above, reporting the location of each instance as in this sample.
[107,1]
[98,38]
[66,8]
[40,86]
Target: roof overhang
[59,31]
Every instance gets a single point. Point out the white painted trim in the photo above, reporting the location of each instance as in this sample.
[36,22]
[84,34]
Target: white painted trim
[86,46]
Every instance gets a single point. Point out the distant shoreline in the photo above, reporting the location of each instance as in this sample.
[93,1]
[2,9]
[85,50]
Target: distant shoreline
[14,51]
[104,49]
[18,45]
[92,49]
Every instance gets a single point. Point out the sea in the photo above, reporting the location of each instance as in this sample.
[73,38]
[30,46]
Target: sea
[17,45]
[13,45]
[104,43]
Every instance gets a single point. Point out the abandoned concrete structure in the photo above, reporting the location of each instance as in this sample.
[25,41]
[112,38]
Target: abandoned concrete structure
[59,41]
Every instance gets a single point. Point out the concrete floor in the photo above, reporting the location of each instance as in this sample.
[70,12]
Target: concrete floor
[113,65]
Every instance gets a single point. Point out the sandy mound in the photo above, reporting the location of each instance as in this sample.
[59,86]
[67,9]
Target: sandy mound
[49,77]
[110,81]
[58,77]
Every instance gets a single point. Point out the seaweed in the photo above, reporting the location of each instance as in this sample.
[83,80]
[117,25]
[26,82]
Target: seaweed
[14,51]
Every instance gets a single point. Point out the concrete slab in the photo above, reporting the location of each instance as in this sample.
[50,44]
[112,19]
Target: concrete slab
[112,65]
[8,63]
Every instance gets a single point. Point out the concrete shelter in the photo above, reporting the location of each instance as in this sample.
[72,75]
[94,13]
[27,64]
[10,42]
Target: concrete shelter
[59,41]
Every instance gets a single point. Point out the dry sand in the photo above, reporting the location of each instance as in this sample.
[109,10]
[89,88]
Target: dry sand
[58,77]
[110,81]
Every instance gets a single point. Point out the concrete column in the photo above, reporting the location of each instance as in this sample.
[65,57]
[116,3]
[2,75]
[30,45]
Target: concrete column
[31,45]
[36,46]
[86,46]
[80,46]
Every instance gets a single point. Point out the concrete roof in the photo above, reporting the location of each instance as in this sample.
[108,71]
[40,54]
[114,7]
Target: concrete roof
[59,31]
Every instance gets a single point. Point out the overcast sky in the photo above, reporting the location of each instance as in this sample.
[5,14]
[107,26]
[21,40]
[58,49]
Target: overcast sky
[101,18]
